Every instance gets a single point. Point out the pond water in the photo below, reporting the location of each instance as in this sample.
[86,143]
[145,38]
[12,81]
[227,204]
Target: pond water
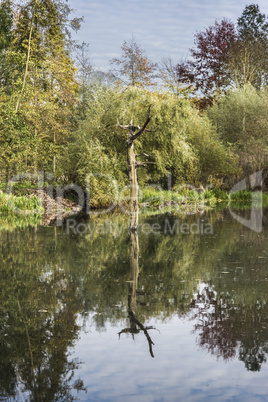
[178,312]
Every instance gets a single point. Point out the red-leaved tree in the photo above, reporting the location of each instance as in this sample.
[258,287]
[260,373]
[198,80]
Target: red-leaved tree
[207,70]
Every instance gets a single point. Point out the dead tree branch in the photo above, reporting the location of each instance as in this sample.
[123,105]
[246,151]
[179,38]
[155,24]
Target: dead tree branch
[149,117]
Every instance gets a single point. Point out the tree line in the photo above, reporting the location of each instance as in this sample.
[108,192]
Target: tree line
[59,114]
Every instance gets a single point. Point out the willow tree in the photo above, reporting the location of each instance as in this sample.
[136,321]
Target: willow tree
[134,132]
[183,143]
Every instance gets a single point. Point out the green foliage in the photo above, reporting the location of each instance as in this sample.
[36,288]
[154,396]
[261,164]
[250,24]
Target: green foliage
[246,197]
[241,196]
[39,89]
[156,197]
[179,142]
[241,120]
[224,57]
[6,22]
[10,203]
[217,193]
[43,126]
[16,141]
[249,58]
[252,25]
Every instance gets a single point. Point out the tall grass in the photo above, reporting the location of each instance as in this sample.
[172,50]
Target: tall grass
[153,196]
[10,204]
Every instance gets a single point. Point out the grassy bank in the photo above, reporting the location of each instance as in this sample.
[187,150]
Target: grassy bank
[20,204]
[18,212]
[153,197]
[22,201]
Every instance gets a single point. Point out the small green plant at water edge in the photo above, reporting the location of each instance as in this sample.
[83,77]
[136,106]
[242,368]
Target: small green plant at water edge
[219,194]
[243,196]
[249,197]
[155,196]
[10,203]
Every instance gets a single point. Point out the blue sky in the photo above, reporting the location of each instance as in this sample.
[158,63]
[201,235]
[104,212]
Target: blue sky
[162,28]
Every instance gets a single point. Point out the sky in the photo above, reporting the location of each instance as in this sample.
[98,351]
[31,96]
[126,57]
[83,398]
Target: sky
[162,28]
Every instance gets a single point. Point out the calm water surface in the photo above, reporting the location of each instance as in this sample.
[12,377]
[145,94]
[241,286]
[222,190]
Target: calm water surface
[166,315]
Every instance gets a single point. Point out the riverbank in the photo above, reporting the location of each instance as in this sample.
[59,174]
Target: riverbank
[36,206]
[38,202]
[155,198]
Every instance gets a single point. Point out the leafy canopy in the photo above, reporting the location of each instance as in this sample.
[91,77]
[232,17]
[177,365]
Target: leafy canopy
[134,67]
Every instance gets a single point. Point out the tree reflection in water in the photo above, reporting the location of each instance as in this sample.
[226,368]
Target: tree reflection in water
[228,330]
[48,278]
[135,325]
[38,312]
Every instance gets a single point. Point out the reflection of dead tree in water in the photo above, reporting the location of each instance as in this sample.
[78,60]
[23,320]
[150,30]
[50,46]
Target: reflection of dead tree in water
[135,328]
[135,325]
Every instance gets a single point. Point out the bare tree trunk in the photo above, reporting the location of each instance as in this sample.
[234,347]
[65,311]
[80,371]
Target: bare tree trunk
[132,169]
[134,188]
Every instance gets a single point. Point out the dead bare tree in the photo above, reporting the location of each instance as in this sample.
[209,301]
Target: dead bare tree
[134,132]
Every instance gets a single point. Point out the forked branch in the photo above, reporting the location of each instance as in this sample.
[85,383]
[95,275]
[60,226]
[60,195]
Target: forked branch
[134,330]
[149,117]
